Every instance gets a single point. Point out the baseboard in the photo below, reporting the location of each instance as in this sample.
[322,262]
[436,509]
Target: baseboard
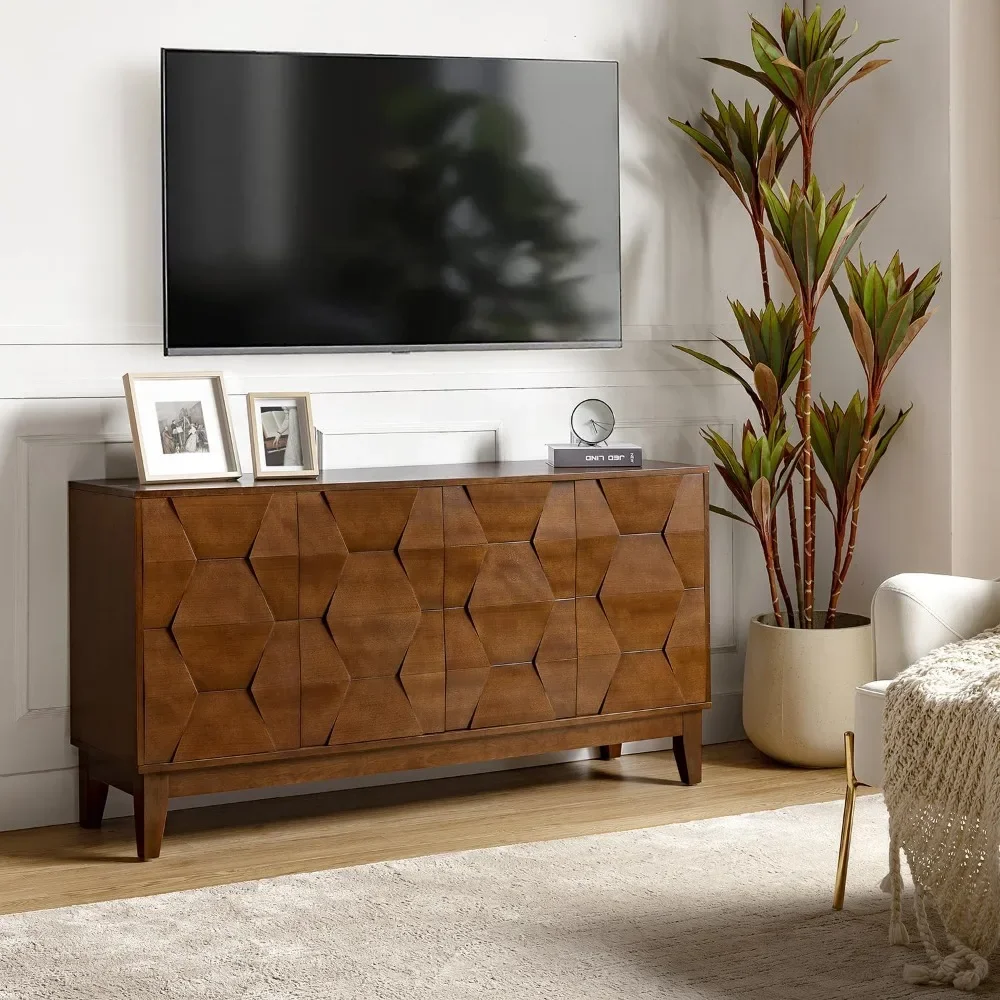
[48,798]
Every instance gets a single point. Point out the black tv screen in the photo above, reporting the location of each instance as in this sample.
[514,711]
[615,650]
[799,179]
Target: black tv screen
[340,202]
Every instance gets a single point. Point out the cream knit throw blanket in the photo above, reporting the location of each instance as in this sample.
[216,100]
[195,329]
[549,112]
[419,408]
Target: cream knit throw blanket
[942,789]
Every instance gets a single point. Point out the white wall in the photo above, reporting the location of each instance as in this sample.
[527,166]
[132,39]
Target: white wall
[80,292]
[975,233]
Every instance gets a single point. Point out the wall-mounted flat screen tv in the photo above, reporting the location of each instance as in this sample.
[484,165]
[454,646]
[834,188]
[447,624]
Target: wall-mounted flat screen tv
[359,203]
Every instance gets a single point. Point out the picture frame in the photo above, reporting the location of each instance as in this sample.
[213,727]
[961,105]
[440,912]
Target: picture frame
[181,427]
[282,435]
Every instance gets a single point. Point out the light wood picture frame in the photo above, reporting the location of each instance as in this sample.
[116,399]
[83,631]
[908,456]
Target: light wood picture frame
[282,435]
[182,430]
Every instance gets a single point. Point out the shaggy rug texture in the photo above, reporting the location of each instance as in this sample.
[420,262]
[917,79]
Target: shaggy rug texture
[726,909]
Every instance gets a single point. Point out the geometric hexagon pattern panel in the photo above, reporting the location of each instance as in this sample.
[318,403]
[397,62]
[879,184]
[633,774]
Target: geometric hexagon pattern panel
[221,636]
[359,615]
[642,635]
[372,634]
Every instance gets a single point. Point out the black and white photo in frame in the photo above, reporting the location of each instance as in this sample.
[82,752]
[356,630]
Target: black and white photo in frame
[282,436]
[181,428]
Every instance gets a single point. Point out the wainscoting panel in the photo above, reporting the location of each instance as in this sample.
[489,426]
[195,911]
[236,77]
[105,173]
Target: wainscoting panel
[407,446]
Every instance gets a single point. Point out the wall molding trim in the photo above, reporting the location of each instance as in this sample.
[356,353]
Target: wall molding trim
[21,569]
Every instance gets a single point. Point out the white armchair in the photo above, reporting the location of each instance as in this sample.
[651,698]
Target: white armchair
[912,614]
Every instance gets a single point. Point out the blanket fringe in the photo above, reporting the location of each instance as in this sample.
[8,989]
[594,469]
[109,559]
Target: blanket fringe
[893,882]
[964,968]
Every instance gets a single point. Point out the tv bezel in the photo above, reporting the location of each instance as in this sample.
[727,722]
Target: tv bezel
[547,345]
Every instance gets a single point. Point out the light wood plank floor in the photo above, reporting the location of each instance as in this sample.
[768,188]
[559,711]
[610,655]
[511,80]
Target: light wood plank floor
[63,865]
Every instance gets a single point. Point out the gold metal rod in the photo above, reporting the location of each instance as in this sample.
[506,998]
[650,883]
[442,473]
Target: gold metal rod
[840,886]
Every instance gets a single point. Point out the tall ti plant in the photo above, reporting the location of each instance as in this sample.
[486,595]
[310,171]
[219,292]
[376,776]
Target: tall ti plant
[810,237]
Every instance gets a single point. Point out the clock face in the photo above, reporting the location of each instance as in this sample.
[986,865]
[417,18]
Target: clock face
[593,421]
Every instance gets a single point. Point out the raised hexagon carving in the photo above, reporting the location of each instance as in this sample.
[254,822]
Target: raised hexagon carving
[374,614]
[641,592]
[222,592]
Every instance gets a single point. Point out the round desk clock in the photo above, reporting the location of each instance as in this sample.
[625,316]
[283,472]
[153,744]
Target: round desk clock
[592,422]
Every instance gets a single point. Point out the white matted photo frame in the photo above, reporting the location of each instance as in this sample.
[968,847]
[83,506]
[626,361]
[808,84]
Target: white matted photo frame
[181,428]
[282,435]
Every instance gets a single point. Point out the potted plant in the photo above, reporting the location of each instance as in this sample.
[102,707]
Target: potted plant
[801,453]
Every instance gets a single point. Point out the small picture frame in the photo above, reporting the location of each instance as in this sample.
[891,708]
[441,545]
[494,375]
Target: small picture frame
[282,436]
[181,427]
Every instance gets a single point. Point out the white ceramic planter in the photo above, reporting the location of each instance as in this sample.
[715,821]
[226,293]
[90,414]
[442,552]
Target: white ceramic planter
[798,687]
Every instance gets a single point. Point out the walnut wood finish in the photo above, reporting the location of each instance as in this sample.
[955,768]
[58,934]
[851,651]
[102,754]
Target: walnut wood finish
[688,748]
[283,632]
[93,796]
[105,582]
[150,793]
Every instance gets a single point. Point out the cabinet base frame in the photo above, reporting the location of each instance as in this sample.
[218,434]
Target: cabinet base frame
[152,789]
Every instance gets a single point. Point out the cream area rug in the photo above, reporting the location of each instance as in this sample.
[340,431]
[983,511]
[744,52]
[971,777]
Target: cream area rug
[737,908]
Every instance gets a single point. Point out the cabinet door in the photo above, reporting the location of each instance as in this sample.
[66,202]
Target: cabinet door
[641,610]
[372,631]
[220,643]
[509,620]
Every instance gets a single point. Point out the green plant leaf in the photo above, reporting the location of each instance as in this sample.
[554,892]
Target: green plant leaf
[760,497]
[728,513]
[894,325]
[831,234]
[740,493]
[864,342]
[845,309]
[850,241]
[718,365]
[730,178]
[794,366]
[785,263]
[709,145]
[753,74]
[788,16]
[753,465]
[785,477]
[822,445]
[849,64]
[723,451]
[736,351]
[915,327]
[782,80]
[868,67]
[925,289]
[883,443]
[829,33]
[776,206]
[767,388]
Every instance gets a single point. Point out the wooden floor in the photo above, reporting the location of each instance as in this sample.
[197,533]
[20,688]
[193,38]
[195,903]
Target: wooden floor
[62,865]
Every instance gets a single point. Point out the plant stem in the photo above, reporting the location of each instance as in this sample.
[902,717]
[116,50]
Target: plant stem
[806,139]
[772,580]
[804,408]
[840,570]
[758,230]
[839,533]
[789,607]
[793,527]
[804,404]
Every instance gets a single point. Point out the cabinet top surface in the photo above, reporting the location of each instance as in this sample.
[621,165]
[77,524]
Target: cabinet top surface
[424,475]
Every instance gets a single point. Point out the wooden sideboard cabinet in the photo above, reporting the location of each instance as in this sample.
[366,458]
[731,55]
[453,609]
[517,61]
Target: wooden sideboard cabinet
[241,635]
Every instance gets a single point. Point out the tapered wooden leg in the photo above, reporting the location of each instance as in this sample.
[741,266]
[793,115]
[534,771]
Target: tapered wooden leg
[687,749]
[93,796]
[840,886]
[150,807]
[610,751]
